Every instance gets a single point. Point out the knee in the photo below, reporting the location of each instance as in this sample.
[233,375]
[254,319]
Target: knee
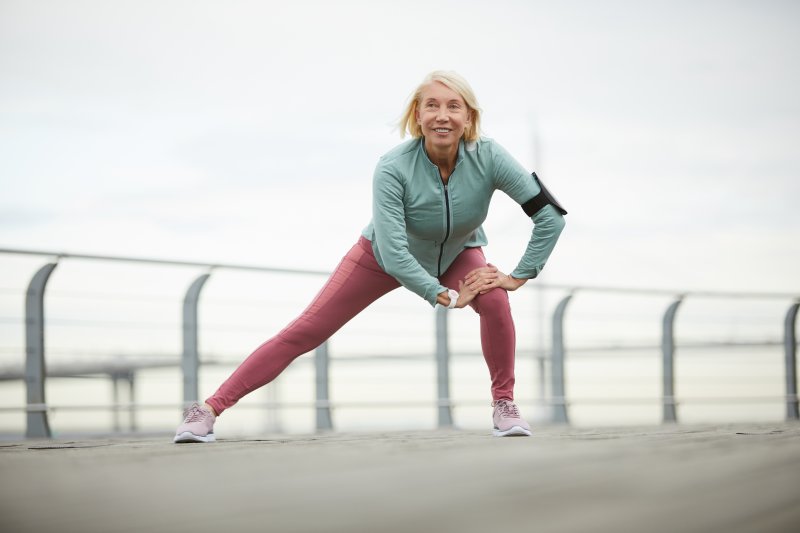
[494,301]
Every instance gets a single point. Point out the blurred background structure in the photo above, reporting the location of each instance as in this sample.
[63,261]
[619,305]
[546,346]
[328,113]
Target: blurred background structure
[591,355]
[245,133]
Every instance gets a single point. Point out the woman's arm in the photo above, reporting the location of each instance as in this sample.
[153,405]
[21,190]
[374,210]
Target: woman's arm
[388,220]
[548,223]
[547,227]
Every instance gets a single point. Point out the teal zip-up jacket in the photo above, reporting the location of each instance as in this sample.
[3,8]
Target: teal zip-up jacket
[419,225]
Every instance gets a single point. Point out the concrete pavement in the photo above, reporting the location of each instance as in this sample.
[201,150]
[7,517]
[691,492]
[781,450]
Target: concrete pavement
[676,478]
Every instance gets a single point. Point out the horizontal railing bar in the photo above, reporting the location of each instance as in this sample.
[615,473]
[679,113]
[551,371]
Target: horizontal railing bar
[169,262]
[139,406]
[262,405]
[233,359]
[278,270]
[117,324]
[681,401]
[663,292]
[733,400]
[64,369]
[692,345]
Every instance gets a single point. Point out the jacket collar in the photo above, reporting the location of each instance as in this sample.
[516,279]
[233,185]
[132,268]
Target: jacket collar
[459,157]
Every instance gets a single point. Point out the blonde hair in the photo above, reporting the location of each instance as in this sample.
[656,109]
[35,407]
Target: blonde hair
[453,80]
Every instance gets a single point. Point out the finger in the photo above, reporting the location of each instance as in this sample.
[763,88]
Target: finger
[479,270]
[487,288]
[474,272]
[473,278]
[490,285]
[466,287]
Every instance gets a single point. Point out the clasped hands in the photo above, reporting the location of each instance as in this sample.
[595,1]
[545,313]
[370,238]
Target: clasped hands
[480,281]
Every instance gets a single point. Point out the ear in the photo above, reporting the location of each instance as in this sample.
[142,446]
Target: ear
[416,115]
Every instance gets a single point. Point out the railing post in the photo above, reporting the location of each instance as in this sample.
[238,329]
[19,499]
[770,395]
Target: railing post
[540,355]
[272,417]
[132,399]
[444,406]
[190,361]
[115,377]
[790,348]
[559,397]
[37,425]
[668,361]
[323,403]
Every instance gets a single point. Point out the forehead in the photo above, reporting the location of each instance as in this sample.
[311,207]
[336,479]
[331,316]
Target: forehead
[439,91]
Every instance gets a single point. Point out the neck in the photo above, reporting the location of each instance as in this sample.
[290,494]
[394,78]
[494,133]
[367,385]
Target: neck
[443,157]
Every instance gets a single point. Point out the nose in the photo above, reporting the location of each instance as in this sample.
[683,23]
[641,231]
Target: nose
[441,115]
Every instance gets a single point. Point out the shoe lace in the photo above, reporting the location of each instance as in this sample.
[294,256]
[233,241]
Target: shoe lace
[508,409]
[195,414]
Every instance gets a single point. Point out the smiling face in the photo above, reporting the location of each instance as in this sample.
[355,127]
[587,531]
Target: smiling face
[442,115]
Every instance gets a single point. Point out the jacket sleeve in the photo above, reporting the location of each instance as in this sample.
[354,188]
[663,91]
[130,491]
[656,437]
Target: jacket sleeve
[388,217]
[515,181]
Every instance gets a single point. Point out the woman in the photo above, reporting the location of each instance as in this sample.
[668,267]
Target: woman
[430,196]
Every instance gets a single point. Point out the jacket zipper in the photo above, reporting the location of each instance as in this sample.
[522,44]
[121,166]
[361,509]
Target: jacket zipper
[447,231]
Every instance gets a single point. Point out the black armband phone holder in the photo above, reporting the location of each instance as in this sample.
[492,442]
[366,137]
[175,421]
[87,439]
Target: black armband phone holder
[535,204]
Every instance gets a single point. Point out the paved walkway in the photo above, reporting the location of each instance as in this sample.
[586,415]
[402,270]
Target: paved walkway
[742,478]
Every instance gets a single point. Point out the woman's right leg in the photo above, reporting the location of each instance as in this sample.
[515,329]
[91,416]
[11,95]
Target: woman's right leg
[357,282]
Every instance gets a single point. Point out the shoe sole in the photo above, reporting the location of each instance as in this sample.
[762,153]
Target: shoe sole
[516,431]
[187,437]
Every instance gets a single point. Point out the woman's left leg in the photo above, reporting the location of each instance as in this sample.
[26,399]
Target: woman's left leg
[498,337]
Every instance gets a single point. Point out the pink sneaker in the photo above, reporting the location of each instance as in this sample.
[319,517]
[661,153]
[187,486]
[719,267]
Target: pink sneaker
[198,425]
[507,420]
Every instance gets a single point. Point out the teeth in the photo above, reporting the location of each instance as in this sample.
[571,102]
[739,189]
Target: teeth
[441,130]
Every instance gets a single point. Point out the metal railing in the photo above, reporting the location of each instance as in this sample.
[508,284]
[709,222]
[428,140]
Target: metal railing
[37,423]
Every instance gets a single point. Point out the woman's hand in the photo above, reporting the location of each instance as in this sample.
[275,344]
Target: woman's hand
[465,296]
[483,279]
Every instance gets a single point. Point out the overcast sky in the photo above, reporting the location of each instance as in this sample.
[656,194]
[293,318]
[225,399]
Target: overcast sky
[244,131]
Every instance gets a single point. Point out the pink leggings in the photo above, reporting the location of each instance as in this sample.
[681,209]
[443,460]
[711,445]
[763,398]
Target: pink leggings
[357,282]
